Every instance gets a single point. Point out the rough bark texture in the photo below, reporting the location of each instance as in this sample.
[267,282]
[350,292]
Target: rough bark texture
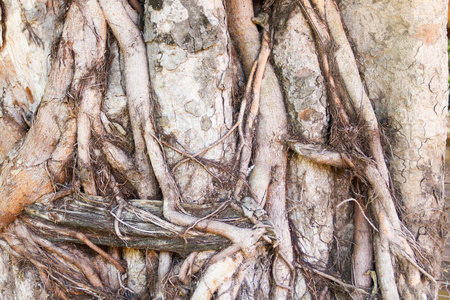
[30,30]
[273,189]
[310,187]
[189,50]
[401,50]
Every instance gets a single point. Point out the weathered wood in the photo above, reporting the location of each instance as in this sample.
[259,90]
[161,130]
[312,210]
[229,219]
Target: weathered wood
[141,224]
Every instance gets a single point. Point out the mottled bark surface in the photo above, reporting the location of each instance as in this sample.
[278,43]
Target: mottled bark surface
[221,149]
[189,50]
[401,50]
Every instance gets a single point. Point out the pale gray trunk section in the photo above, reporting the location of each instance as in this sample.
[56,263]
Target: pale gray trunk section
[190,62]
[402,50]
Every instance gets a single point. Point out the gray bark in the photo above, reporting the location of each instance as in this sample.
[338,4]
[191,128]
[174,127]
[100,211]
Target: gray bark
[191,75]
[401,49]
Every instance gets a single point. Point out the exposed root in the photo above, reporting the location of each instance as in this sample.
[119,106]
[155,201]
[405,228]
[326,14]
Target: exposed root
[349,73]
[192,158]
[97,249]
[78,235]
[141,109]
[91,35]
[346,286]
[137,81]
[246,143]
[184,274]
[229,289]
[165,262]
[267,179]
[331,32]
[215,275]
[362,210]
[135,4]
[246,98]
[24,178]
[362,256]
[321,155]
[218,142]
[36,169]
[70,270]
[192,264]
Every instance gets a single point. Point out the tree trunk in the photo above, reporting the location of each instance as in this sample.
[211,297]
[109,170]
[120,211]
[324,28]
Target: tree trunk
[222,149]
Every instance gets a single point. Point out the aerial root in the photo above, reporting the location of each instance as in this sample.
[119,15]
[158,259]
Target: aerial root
[74,234]
[259,66]
[64,270]
[192,264]
[165,261]
[334,46]
[105,255]
[192,158]
[345,286]
[215,275]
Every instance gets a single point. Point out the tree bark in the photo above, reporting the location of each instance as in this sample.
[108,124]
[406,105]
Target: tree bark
[186,149]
